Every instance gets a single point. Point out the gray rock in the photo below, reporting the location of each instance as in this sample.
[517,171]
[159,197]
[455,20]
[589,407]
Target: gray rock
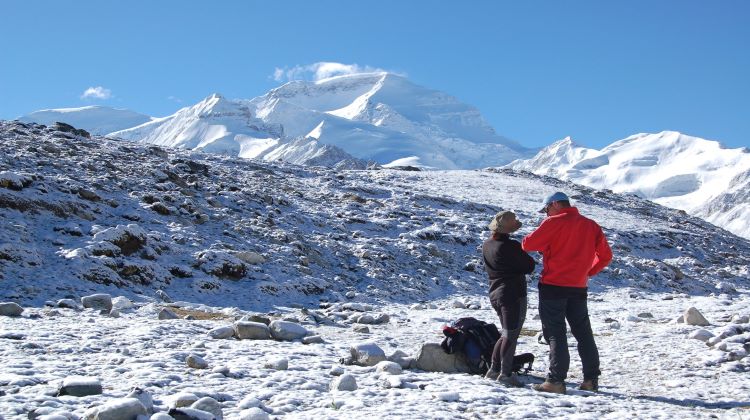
[144,397]
[119,409]
[345,382]
[250,257]
[645,315]
[432,358]
[254,413]
[401,358]
[161,416]
[693,317]
[389,367]
[702,335]
[287,331]
[248,330]
[364,329]
[67,303]
[366,354]
[80,386]
[187,413]
[278,364]
[161,294]
[209,405]
[165,313]
[183,399]
[99,301]
[196,362]
[10,309]
[312,339]
[740,319]
[249,402]
[221,333]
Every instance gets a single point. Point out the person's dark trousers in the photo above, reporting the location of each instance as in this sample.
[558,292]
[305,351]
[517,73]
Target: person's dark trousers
[553,313]
[512,315]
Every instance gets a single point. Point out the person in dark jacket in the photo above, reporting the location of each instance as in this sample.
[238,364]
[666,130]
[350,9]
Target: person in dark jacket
[506,265]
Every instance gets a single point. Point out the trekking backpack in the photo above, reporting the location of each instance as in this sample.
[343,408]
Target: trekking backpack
[476,340]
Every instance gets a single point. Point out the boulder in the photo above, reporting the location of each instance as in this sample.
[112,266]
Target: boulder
[196,362]
[401,358]
[249,402]
[392,368]
[80,386]
[312,339]
[165,313]
[254,413]
[10,309]
[122,303]
[693,317]
[144,397]
[183,399]
[99,301]
[366,354]
[119,409]
[344,382]
[702,335]
[67,303]
[209,405]
[248,330]
[432,358]
[287,331]
[187,413]
[221,333]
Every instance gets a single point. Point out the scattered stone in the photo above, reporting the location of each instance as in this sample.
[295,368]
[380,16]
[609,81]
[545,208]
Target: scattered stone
[221,333]
[144,397]
[196,362]
[254,413]
[161,416]
[402,359]
[161,294]
[223,370]
[287,331]
[10,309]
[67,303]
[392,368]
[737,319]
[432,358]
[645,315]
[448,396]
[257,318]
[119,409]
[337,371]
[418,307]
[390,381]
[345,382]
[183,399]
[364,329]
[250,257]
[88,195]
[248,330]
[80,386]
[458,304]
[702,335]
[99,301]
[365,354]
[249,402]
[165,313]
[277,364]
[122,303]
[209,405]
[351,295]
[187,413]
[312,339]
[693,317]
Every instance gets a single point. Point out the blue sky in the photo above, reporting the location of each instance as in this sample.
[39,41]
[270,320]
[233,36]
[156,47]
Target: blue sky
[538,71]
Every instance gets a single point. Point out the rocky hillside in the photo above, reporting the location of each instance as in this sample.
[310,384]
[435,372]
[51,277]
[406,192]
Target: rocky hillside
[86,215]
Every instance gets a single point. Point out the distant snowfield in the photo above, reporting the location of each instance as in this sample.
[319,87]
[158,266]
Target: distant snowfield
[669,168]
[227,238]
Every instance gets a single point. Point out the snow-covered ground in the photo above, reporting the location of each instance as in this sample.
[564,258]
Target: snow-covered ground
[228,238]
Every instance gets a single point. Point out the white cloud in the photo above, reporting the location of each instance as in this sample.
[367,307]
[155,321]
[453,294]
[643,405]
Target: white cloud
[322,70]
[97,92]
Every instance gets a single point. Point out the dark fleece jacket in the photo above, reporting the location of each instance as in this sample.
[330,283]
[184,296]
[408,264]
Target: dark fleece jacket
[506,265]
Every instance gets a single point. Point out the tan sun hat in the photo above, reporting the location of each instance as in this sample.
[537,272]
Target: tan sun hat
[505,222]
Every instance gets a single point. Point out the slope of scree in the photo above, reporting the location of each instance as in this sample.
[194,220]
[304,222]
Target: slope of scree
[94,215]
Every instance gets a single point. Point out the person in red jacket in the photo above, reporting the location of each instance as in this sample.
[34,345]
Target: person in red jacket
[573,249]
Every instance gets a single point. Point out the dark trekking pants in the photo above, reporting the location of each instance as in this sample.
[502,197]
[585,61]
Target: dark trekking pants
[553,313]
[511,315]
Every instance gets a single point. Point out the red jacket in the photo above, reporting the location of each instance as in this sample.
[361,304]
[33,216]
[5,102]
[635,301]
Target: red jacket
[573,248]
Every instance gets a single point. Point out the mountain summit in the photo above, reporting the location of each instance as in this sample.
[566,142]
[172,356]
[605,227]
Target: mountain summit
[380,117]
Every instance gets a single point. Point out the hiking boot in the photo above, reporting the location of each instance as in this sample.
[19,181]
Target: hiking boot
[590,385]
[553,387]
[492,374]
[511,380]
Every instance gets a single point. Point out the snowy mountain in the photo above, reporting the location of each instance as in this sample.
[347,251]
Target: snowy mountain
[94,119]
[377,117]
[191,246]
[689,173]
